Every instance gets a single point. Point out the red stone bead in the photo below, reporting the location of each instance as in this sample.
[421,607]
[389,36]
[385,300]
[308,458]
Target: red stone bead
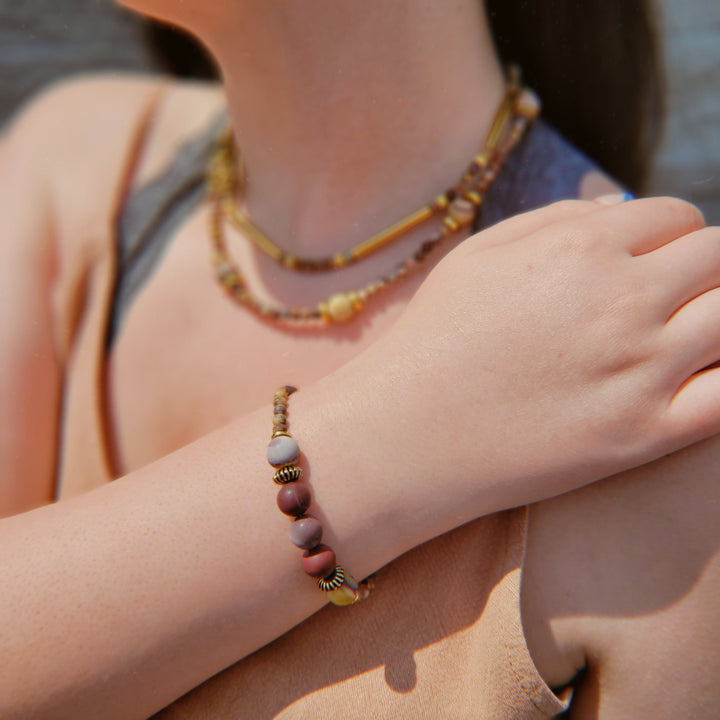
[319,562]
[293,499]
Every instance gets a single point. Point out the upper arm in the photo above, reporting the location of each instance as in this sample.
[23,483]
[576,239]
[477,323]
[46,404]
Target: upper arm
[60,162]
[29,368]
[627,571]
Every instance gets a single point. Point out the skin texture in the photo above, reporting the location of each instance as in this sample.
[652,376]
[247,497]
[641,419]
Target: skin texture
[359,384]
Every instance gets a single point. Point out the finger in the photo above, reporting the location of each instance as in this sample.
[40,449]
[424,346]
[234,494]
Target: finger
[642,226]
[614,198]
[527,223]
[686,267]
[692,334]
[694,412]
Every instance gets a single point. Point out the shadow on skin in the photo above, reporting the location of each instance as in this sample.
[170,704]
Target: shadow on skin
[626,548]
[624,568]
[339,643]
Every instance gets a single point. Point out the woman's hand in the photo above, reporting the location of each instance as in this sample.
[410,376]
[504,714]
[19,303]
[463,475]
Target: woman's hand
[553,349]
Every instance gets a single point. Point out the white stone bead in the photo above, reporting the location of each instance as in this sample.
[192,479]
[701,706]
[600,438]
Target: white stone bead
[282,450]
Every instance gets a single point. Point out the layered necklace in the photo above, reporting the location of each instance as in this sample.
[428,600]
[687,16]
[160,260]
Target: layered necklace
[457,208]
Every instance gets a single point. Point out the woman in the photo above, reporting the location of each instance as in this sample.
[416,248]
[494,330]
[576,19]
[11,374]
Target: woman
[125,596]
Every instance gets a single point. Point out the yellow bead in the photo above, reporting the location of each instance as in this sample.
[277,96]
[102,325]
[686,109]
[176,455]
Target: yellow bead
[346,594]
[340,307]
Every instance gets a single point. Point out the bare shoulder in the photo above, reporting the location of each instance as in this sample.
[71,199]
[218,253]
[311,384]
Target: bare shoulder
[82,107]
[88,125]
[74,138]
[624,575]
[185,110]
[89,139]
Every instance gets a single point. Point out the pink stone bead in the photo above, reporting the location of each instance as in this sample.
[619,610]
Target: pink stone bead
[319,562]
[306,533]
[462,210]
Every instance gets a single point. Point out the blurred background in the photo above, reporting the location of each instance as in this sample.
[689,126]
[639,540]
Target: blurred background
[41,40]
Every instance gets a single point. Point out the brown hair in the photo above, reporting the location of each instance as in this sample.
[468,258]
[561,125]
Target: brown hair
[596,66]
[594,63]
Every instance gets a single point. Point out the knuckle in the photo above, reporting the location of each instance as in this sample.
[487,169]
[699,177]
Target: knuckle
[567,209]
[709,236]
[574,242]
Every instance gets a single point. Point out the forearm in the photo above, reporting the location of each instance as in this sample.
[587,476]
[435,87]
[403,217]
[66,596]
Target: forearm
[123,599]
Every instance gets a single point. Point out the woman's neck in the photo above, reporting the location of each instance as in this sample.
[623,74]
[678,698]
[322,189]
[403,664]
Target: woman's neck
[352,110]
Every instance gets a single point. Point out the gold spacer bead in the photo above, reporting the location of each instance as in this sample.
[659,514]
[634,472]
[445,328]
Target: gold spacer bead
[340,260]
[482,159]
[474,197]
[334,580]
[451,224]
[441,202]
[287,474]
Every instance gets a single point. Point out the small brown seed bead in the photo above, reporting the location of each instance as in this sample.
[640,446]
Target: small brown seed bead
[294,499]
[279,419]
[319,562]
[280,409]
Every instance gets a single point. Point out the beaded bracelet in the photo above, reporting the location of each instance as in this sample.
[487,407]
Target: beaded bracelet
[294,499]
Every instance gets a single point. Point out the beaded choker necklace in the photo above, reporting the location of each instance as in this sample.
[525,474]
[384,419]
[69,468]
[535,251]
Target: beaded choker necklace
[457,207]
